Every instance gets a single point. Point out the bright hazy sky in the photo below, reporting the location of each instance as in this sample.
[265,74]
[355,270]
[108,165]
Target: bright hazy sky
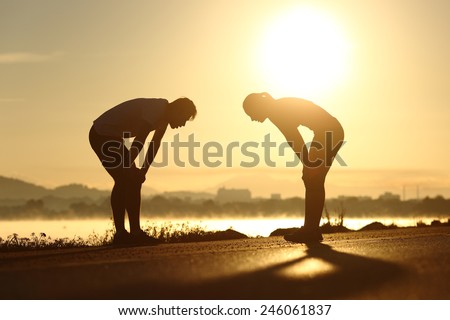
[381,67]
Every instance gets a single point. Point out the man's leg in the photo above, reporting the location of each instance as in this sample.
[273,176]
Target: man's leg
[113,153]
[321,155]
[118,205]
[314,173]
[314,197]
[327,145]
[133,206]
[314,202]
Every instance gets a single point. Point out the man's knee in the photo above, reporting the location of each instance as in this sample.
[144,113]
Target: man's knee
[126,182]
[313,178]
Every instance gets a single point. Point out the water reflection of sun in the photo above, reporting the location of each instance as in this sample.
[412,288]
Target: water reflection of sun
[303,52]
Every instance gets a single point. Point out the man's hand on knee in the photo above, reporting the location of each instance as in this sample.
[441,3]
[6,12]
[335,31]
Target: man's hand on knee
[136,175]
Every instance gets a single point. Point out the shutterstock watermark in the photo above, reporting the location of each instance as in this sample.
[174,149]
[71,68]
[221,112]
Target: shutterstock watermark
[214,154]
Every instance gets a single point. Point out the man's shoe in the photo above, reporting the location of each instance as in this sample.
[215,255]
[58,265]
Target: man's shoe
[122,239]
[143,239]
[304,236]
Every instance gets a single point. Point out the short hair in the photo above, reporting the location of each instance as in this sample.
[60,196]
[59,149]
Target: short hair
[186,106]
[255,100]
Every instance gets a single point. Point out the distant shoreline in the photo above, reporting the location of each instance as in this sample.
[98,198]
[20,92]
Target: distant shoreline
[189,234]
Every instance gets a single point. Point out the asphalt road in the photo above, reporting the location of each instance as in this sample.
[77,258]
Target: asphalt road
[410,263]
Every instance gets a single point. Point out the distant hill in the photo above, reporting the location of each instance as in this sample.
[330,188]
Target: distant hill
[11,188]
[17,189]
[78,191]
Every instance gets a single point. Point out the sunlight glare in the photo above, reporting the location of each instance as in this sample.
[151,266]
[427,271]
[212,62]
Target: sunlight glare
[303,52]
[307,269]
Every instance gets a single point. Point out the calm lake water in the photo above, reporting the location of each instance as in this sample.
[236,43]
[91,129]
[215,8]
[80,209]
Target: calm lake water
[250,227]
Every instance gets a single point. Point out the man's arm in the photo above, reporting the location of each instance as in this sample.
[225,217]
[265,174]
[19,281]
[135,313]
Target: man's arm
[295,140]
[136,146]
[154,147]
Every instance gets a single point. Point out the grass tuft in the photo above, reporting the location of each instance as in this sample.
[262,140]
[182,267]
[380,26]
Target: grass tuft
[168,233]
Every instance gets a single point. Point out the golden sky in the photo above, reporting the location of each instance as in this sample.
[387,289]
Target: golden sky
[381,67]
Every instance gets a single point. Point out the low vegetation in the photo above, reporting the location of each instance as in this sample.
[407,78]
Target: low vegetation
[175,233]
[168,233]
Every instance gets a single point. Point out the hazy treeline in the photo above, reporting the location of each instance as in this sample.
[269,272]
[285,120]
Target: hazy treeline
[163,206]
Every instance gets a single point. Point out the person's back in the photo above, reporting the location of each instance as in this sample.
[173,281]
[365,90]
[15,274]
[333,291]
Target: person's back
[303,112]
[131,116]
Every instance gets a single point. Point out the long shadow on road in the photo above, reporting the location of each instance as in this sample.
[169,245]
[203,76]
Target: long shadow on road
[319,273]
[347,275]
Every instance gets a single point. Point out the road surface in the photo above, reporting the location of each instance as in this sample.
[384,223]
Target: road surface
[409,263]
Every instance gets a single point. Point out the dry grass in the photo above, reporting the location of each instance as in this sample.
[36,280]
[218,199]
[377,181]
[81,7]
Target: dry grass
[168,233]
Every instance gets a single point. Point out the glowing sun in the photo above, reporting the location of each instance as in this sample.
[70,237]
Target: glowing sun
[303,52]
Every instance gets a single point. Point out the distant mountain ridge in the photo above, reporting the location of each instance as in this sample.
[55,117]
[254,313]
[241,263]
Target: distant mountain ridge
[11,188]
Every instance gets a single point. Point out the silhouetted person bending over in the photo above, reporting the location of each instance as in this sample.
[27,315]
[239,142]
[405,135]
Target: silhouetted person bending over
[134,118]
[287,114]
